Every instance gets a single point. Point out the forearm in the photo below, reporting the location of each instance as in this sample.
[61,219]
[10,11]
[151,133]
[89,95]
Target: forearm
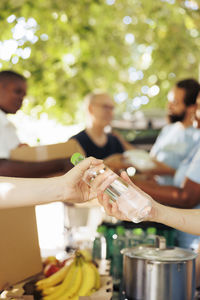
[167,195]
[160,169]
[33,169]
[16,192]
[186,220]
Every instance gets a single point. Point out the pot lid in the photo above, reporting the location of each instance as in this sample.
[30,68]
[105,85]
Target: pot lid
[156,254]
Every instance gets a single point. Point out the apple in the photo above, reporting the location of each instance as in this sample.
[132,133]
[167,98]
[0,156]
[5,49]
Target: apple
[50,269]
[50,260]
[64,262]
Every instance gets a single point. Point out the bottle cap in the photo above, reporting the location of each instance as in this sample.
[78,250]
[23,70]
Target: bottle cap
[138,231]
[102,229]
[76,158]
[120,230]
[151,230]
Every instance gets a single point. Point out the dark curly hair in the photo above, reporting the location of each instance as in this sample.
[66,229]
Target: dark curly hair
[192,88]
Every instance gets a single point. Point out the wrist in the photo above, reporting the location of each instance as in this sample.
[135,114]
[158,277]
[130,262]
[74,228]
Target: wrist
[156,212]
[64,186]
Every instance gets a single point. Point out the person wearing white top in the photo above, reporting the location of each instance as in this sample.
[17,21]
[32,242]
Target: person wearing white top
[8,136]
[13,88]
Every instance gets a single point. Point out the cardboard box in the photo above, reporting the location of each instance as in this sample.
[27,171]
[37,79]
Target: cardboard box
[19,247]
[48,152]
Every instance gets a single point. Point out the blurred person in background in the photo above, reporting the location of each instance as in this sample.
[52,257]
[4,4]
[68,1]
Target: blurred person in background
[178,137]
[13,88]
[185,189]
[93,139]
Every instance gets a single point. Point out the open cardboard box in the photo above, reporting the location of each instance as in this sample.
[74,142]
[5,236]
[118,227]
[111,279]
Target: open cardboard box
[19,247]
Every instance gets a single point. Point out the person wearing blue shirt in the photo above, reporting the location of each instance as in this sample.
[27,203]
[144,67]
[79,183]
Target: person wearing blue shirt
[178,138]
[189,168]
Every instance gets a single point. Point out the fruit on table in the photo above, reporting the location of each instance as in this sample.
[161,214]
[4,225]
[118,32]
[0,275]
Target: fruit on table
[79,277]
[51,265]
[50,260]
[51,269]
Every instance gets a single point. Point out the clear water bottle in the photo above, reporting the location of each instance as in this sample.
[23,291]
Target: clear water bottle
[99,250]
[150,236]
[131,202]
[130,239]
[138,236]
[119,243]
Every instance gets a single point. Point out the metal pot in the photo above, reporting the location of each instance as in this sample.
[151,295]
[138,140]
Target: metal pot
[158,273]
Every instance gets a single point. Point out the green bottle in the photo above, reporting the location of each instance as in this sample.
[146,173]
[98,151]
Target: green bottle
[99,250]
[119,243]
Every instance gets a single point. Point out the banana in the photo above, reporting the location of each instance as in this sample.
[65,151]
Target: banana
[53,279]
[89,279]
[97,277]
[69,286]
[86,254]
[50,290]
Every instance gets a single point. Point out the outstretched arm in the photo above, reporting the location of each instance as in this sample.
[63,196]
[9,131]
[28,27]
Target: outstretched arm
[15,192]
[33,169]
[183,219]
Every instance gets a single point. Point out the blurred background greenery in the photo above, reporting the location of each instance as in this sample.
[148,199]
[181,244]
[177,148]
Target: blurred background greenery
[134,49]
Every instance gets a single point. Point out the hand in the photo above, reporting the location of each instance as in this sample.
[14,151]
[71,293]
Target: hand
[112,208]
[75,189]
[23,145]
[116,162]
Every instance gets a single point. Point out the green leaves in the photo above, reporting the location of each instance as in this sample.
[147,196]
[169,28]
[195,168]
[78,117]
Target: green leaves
[84,45]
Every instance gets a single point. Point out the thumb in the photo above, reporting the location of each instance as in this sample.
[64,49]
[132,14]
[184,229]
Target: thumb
[88,163]
[125,176]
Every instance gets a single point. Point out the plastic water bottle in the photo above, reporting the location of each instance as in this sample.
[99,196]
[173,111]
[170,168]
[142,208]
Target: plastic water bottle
[138,236]
[99,250]
[130,238]
[131,202]
[150,236]
[119,243]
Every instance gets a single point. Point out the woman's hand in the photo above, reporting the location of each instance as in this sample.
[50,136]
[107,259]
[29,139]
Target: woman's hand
[112,209]
[75,190]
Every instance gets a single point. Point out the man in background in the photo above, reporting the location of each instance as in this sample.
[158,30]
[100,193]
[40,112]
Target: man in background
[179,137]
[13,87]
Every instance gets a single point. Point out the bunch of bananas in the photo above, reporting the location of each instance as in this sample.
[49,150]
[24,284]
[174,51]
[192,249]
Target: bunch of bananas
[79,277]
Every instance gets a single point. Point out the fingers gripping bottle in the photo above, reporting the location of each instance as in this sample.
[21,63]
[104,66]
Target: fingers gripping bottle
[131,201]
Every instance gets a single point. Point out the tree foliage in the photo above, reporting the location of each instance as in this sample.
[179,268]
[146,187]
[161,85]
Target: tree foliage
[134,49]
